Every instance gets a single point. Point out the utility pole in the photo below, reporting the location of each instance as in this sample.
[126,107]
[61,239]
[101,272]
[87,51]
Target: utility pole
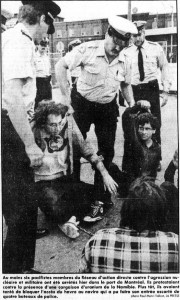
[129,11]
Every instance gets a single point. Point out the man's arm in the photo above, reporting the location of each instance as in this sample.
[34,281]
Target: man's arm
[88,152]
[62,79]
[127,93]
[18,116]
[164,67]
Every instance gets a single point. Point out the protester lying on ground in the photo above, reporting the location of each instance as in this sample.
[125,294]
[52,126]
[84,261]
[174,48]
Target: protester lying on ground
[139,245]
[172,196]
[59,195]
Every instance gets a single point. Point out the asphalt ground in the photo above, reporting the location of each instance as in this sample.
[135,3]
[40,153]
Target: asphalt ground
[57,253]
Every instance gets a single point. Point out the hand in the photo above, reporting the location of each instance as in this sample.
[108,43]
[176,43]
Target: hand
[109,184]
[35,155]
[132,103]
[144,104]
[164,97]
[176,159]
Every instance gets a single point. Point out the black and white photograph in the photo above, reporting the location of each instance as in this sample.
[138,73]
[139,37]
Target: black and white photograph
[89,141]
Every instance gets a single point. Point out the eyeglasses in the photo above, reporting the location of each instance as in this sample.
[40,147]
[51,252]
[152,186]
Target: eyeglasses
[55,126]
[141,128]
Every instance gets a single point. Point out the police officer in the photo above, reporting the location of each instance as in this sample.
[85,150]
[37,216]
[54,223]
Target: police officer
[94,100]
[43,75]
[145,58]
[19,150]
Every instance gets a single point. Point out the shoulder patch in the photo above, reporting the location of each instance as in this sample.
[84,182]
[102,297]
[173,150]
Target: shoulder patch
[81,48]
[93,44]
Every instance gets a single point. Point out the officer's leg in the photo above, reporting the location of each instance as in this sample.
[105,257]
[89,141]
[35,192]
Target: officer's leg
[19,207]
[105,129]
[83,115]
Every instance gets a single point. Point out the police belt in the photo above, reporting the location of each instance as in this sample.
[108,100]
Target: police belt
[44,79]
[148,84]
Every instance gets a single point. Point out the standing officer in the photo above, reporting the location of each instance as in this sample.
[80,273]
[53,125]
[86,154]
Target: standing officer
[19,150]
[43,76]
[145,58]
[94,100]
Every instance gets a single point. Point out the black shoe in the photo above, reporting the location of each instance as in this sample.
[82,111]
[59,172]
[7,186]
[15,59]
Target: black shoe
[108,205]
[31,271]
[41,233]
[95,214]
[159,167]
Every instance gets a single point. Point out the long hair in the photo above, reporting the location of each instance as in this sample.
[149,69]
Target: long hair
[44,109]
[145,206]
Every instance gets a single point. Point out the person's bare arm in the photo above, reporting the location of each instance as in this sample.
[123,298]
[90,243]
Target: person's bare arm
[127,93]
[62,79]
[18,116]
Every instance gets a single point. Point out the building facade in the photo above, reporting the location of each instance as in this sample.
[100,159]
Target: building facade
[161,28]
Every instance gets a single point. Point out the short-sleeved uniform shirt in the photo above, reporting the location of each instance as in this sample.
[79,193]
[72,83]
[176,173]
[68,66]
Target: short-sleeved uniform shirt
[99,80]
[42,64]
[121,250]
[18,52]
[153,59]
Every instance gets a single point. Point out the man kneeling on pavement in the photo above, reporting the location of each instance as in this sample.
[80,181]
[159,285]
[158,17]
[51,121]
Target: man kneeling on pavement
[59,196]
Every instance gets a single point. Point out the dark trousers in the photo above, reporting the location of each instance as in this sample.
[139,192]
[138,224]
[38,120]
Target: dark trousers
[18,202]
[62,198]
[150,92]
[44,89]
[104,117]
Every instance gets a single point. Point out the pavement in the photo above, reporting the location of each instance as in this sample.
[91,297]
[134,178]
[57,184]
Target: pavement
[57,253]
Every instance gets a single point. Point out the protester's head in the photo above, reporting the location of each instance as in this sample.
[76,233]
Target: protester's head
[40,13]
[50,116]
[42,47]
[140,37]
[145,206]
[118,35]
[146,126]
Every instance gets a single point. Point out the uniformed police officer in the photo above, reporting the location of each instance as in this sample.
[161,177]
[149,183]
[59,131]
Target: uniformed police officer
[19,150]
[43,74]
[94,98]
[145,58]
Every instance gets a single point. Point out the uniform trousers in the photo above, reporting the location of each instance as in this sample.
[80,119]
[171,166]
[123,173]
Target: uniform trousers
[44,89]
[150,92]
[104,118]
[18,202]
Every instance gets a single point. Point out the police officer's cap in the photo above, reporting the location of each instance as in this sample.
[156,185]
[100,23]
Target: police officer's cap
[75,42]
[140,24]
[121,27]
[48,6]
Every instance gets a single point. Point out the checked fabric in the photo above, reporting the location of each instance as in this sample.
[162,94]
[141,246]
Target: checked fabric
[127,251]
